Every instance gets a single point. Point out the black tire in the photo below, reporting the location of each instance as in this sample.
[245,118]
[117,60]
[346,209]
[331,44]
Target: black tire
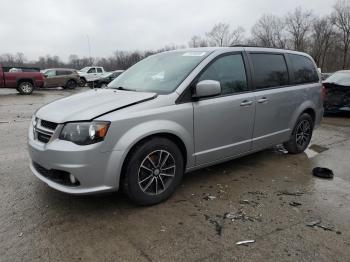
[71,84]
[25,88]
[301,135]
[162,183]
[82,82]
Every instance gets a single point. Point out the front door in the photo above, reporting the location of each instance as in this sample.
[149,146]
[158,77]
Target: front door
[51,78]
[223,125]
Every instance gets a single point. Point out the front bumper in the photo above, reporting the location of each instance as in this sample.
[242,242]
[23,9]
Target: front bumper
[96,171]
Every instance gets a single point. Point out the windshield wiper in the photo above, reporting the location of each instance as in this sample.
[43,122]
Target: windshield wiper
[124,89]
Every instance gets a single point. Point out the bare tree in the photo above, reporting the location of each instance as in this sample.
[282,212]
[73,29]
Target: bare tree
[323,36]
[221,35]
[298,24]
[341,19]
[194,42]
[269,31]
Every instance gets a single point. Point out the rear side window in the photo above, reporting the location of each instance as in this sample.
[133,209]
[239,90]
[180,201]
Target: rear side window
[63,72]
[99,70]
[270,70]
[304,70]
[230,72]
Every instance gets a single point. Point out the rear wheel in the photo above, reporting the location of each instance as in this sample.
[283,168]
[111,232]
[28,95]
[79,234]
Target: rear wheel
[153,171]
[301,135]
[25,88]
[71,84]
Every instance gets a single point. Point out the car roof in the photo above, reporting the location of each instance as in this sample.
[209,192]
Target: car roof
[68,69]
[343,71]
[241,48]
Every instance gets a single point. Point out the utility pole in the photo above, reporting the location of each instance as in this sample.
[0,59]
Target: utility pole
[89,47]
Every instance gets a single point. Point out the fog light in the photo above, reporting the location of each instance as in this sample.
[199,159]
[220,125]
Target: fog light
[72,179]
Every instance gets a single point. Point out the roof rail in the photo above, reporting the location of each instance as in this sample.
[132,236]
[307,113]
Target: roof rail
[240,45]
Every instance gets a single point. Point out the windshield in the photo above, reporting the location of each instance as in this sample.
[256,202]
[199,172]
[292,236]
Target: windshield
[340,78]
[161,73]
[85,69]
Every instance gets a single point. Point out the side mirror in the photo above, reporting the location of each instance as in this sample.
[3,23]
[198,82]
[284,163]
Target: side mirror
[207,88]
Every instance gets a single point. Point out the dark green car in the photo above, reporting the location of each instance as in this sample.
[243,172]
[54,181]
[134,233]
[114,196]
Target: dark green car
[105,79]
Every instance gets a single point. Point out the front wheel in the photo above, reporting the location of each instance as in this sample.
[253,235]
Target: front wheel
[25,88]
[301,135]
[153,171]
[82,82]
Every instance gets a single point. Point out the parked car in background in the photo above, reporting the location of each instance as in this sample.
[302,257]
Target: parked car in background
[61,77]
[175,112]
[105,79]
[23,79]
[337,92]
[90,73]
[324,76]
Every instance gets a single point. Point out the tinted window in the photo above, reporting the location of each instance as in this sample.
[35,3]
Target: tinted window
[230,72]
[63,72]
[270,70]
[99,70]
[92,70]
[303,69]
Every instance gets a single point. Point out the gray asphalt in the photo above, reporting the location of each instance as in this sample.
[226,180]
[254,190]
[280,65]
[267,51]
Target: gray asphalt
[270,197]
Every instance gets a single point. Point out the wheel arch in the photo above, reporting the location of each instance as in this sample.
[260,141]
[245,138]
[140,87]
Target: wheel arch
[21,80]
[307,107]
[176,138]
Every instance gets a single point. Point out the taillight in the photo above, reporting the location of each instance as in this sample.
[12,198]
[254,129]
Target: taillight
[323,93]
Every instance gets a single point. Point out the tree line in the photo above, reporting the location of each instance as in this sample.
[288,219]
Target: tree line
[326,38]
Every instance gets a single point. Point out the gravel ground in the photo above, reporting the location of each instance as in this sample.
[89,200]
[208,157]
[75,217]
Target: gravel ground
[270,197]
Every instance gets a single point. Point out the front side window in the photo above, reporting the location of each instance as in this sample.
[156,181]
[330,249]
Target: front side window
[161,73]
[92,70]
[230,72]
[50,73]
[270,70]
[303,69]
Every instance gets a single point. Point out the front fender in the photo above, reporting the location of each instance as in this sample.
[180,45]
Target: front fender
[143,130]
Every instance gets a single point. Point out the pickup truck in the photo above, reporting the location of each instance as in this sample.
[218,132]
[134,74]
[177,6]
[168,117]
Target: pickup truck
[23,79]
[90,73]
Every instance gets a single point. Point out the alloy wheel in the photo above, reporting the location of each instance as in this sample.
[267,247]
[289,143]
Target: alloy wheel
[303,133]
[156,172]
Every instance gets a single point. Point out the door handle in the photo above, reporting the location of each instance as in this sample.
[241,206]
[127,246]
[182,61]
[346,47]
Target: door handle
[262,100]
[246,103]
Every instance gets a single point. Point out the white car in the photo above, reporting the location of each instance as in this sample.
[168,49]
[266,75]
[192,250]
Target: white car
[90,73]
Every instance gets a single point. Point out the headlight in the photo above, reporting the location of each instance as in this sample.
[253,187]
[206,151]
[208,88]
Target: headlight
[84,133]
[34,120]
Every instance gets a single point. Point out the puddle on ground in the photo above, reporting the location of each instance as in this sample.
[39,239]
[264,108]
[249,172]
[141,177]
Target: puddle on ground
[314,150]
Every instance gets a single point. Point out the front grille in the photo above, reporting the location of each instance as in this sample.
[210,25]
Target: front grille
[44,130]
[44,138]
[58,176]
[48,124]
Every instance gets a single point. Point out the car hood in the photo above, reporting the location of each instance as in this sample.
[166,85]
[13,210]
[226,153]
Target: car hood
[91,104]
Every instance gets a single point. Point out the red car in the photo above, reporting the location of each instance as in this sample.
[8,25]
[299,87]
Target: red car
[23,79]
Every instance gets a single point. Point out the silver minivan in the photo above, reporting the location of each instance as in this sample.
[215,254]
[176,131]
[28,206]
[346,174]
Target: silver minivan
[172,113]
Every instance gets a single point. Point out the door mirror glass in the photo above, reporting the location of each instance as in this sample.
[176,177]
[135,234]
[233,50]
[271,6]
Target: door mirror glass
[207,88]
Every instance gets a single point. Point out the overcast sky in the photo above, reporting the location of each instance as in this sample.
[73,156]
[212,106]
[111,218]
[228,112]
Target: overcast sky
[60,27]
